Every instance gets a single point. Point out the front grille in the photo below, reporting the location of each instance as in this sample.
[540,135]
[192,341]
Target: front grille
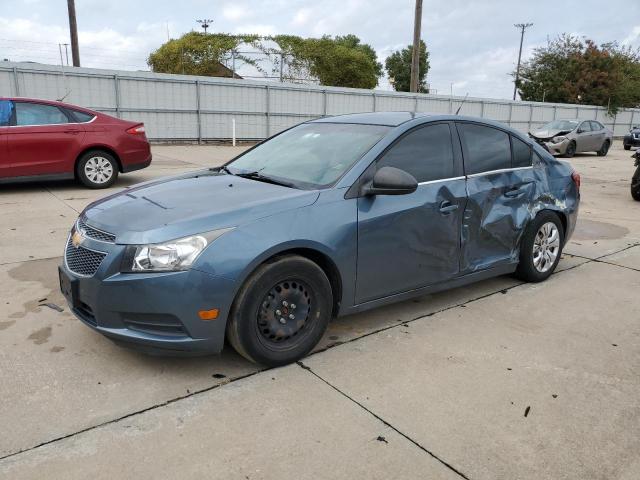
[94,233]
[82,260]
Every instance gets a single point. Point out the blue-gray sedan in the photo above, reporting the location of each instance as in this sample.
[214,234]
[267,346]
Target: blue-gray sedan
[331,217]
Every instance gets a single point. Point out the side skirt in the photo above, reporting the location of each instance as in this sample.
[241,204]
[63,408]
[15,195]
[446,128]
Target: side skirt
[38,178]
[447,285]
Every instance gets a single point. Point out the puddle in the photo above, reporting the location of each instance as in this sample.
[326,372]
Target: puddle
[594,230]
[40,336]
[41,271]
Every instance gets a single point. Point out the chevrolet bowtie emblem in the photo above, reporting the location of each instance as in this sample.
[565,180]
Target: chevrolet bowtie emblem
[77,239]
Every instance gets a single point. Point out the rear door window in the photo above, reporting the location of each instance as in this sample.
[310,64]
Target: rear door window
[596,126]
[426,153]
[38,114]
[486,148]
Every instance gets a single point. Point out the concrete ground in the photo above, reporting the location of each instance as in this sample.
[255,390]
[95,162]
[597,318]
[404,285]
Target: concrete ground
[498,380]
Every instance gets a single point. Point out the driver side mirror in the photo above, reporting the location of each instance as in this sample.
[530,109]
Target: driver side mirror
[391,181]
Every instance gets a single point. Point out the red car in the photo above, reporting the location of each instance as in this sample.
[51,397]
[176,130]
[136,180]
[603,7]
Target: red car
[45,140]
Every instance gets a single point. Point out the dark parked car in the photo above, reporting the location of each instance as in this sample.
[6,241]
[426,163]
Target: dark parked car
[44,140]
[632,139]
[330,217]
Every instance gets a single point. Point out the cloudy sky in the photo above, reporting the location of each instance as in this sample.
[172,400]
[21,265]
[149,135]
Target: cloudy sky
[473,44]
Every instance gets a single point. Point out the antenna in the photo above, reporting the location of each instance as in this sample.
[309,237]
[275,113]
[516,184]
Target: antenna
[462,103]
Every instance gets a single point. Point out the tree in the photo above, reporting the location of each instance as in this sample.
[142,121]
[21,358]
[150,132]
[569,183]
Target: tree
[398,66]
[339,61]
[198,53]
[570,70]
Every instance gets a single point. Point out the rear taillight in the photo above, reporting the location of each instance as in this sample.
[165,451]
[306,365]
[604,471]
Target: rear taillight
[575,176]
[137,130]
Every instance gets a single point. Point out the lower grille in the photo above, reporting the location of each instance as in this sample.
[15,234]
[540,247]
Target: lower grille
[155,324]
[81,260]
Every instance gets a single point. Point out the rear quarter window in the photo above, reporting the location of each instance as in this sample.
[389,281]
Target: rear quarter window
[486,148]
[82,117]
[521,153]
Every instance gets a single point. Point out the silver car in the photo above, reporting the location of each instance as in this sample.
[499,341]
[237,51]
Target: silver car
[568,137]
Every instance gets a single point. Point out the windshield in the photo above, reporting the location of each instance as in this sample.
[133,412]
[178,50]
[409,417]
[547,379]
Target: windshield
[310,155]
[560,125]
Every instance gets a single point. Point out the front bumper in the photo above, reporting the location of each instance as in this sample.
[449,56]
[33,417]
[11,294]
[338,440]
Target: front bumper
[631,141]
[153,312]
[559,148]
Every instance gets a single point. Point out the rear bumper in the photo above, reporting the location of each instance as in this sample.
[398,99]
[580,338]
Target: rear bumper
[132,167]
[154,313]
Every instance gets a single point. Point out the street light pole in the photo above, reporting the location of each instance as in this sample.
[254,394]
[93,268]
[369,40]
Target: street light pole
[522,27]
[415,54]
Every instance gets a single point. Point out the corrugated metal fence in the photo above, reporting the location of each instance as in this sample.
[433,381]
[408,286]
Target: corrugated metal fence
[190,108]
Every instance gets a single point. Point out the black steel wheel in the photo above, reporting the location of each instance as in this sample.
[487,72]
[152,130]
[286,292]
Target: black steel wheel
[281,311]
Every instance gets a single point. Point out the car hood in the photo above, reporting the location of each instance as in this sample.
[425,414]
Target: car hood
[202,201]
[544,134]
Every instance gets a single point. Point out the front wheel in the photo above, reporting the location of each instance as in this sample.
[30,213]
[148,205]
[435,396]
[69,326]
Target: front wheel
[604,149]
[97,169]
[571,150]
[540,247]
[627,147]
[281,312]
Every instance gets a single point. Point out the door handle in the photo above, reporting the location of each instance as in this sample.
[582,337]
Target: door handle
[72,132]
[447,207]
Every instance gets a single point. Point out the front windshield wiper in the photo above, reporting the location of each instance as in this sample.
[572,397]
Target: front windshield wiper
[256,175]
[223,168]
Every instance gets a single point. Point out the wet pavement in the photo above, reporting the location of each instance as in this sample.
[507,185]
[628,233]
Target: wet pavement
[495,380]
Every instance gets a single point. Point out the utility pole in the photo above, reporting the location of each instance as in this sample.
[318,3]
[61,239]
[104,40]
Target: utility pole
[73,29]
[205,24]
[415,54]
[522,27]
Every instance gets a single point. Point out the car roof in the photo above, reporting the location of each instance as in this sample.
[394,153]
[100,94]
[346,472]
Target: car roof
[391,119]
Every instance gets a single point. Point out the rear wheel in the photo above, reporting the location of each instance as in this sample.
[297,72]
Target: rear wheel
[635,185]
[281,312]
[97,169]
[571,149]
[540,247]
[604,149]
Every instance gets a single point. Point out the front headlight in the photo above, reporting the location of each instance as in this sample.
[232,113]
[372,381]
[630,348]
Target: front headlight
[559,139]
[169,256]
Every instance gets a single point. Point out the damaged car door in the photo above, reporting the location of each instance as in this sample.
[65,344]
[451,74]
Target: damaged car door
[410,241]
[500,188]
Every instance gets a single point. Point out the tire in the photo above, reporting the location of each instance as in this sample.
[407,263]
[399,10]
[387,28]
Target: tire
[635,185]
[536,268]
[263,326]
[604,149]
[97,169]
[571,150]
[627,147]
